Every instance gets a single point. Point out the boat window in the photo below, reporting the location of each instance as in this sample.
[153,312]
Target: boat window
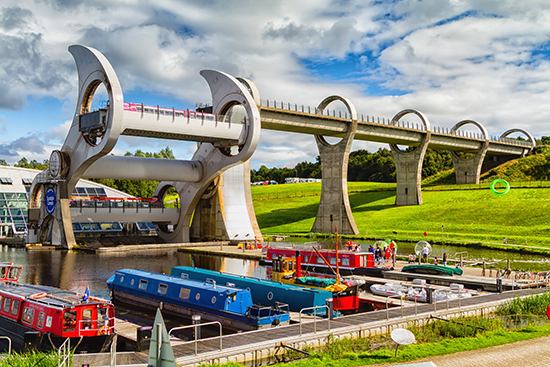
[184,293]
[270,296]
[121,279]
[14,273]
[86,318]
[320,261]
[28,315]
[362,260]
[332,261]
[15,307]
[7,305]
[305,259]
[132,282]
[184,276]
[345,261]
[214,300]
[2,272]
[40,322]
[69,320]
[197,296]
[143,284]
[162,288]
[101,316]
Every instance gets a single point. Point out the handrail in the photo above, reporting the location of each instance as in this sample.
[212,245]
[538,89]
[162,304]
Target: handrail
[401,297]
[65,348]
[9,342]
[387,121]
[314,318]
[195,326]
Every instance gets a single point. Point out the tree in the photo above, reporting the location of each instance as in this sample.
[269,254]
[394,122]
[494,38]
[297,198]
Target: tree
[34,164]
[3,162]
[138,188]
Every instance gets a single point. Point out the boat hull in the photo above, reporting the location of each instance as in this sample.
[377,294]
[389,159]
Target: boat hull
[234,323]
[24,338]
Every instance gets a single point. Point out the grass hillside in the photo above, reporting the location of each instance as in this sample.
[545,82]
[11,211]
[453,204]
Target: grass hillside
[475,215]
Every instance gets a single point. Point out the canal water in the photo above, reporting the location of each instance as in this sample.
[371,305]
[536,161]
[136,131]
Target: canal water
[76,270]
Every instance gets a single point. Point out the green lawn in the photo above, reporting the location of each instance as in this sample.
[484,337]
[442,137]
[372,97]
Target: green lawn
[474,215]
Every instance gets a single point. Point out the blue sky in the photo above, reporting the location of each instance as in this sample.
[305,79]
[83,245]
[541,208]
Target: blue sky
[485,60]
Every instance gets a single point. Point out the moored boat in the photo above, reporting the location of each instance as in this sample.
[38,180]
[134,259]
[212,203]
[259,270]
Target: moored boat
[42,318]
[345,295]
[183,298]
[432,269]
[349,262]
[263,291]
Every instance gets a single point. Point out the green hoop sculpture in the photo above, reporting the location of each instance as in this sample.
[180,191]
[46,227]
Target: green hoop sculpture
[500,180]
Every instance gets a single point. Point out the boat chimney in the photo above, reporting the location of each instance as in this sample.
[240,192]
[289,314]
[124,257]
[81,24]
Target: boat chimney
[298,271]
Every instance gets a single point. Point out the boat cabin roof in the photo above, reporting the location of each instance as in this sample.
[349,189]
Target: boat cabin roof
[46,295]
[310,249]
[163,278]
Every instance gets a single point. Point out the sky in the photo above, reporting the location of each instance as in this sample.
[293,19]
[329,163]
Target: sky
[483,60]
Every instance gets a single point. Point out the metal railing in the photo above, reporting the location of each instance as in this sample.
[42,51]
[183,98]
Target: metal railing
[314,308]
[64,354]
[196,338]
[294,107]
[401,297]
[113,351]
[9,342]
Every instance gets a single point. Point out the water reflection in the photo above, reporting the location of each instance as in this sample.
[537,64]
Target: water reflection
[75,271]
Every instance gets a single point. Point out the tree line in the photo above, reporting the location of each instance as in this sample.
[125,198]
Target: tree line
[362,166]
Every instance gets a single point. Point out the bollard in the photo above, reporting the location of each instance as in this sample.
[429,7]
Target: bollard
[196,320]
[330,304]
[499,284]
[144,334]
[429,294]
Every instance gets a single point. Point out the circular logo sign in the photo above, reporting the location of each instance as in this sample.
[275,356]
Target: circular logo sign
[50,200]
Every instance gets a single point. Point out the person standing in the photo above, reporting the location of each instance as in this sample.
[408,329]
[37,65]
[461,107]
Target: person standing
[444,259]
[425,252]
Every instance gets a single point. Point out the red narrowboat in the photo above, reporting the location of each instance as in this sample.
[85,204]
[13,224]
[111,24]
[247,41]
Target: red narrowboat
[349,262]
[42,318]
[345,295]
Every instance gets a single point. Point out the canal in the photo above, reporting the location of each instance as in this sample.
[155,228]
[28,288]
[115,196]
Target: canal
[77,270]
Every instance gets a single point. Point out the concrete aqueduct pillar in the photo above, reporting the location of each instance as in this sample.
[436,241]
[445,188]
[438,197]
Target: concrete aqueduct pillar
[408,165]
[468,170]
[334,208]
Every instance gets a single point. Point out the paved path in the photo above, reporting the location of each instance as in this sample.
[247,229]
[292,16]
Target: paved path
[527,353]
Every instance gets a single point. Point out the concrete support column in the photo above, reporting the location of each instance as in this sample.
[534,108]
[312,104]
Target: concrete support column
[408,165]
[334,208]
[468,170]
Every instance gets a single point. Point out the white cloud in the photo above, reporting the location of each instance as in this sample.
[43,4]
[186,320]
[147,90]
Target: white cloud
[451,59]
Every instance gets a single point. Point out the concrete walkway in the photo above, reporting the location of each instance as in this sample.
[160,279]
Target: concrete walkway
[527,353]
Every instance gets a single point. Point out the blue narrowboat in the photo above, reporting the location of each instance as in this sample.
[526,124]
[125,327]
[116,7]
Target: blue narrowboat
[263,291]
[231,306]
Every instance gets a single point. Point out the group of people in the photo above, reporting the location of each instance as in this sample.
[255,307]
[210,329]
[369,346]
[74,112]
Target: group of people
[352,246]
[381,255]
